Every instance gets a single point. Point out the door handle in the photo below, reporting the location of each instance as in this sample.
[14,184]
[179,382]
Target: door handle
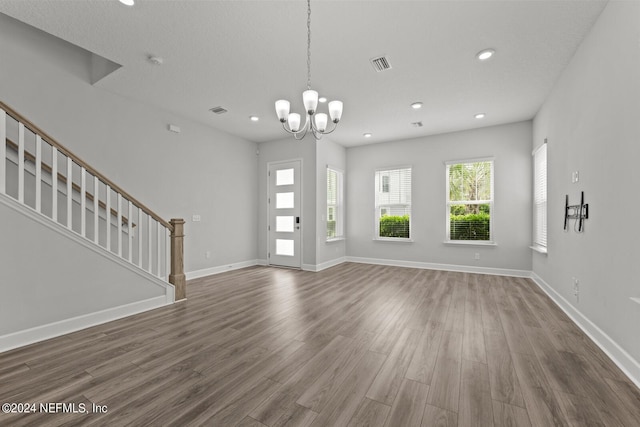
[298,223]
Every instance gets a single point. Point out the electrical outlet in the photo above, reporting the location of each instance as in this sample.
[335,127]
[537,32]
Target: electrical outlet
[576,288]
[477,255]
[575,176]
[207,254]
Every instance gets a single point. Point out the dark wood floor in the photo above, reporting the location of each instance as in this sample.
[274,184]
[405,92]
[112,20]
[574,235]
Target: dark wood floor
[353,345]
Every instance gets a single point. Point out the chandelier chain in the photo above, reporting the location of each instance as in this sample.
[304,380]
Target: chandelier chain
[308,44]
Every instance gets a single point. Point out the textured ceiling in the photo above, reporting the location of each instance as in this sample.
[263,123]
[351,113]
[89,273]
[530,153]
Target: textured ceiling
[244,55]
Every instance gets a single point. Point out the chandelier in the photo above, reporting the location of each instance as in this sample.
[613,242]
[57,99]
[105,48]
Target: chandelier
[314,122]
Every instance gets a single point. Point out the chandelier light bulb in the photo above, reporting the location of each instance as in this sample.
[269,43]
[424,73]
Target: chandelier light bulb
[321,122]
[335,111]
[294,122]
[310,101]
[282,109]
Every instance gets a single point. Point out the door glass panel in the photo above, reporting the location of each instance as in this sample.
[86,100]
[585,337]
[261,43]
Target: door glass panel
[284,200]
[284,247]
[284,224]
[284,177]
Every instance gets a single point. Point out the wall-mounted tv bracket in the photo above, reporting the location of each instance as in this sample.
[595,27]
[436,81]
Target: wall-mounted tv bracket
[579,212]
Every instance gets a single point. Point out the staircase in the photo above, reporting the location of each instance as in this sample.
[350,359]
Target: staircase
[43,180]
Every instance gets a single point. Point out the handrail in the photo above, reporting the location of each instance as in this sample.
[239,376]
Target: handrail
[52,141]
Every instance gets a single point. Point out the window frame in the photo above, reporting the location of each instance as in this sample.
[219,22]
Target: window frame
[338,207]
[378,207]
[539,239]
[490,202]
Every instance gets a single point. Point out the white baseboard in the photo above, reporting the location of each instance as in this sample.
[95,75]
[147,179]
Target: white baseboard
[445,267]
[629,365]
[52,330]
[223,268]
[324,265]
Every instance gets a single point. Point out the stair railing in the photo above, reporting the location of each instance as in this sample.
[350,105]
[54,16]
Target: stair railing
[85,201]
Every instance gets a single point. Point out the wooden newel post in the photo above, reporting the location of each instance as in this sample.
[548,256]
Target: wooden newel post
[177,277]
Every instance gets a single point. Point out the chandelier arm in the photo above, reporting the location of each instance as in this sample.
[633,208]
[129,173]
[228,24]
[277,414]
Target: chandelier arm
[335,126]
[284,126]
[325,132]
[300,138]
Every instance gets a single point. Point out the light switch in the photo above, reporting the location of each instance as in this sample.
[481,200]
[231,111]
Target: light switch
[195,218]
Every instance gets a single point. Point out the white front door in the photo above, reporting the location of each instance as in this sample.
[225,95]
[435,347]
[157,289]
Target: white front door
[285,223]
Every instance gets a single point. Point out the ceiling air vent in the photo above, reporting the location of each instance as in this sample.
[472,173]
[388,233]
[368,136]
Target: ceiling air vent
[417,124]
[218,110]
[380,63]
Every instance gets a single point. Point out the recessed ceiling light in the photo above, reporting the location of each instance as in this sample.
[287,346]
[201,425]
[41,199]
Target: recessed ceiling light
[479,116]
[254,118]
[367,135]
[416,105]
[127,2]
[322,99]
[483,55]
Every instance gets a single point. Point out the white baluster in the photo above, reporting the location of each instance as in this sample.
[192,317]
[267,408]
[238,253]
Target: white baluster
[3,151]
[119,219]
[108,217]
[150,240]
[96,210]
[69,192]
[139,237]
[130,235]
[54,184]
[83,202]
[20,163]
[167,249]
[38,173]
[158,247]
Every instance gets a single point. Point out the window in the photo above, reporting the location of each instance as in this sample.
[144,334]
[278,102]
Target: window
[334,204]
[470,201]
[393,204]
[540,198]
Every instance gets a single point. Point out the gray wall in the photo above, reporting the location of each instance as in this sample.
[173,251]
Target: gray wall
[510,145]
[199,171]
[592,122]
[331,154]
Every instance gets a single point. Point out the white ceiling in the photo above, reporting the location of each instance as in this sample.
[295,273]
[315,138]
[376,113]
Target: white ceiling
[244,55]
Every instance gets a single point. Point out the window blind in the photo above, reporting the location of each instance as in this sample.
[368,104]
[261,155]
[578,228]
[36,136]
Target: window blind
[540,196]
[334,204]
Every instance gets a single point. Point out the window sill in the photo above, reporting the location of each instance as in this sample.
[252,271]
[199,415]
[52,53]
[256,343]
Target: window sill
[392,239]
[335,239]
[539,249]
[470,243]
